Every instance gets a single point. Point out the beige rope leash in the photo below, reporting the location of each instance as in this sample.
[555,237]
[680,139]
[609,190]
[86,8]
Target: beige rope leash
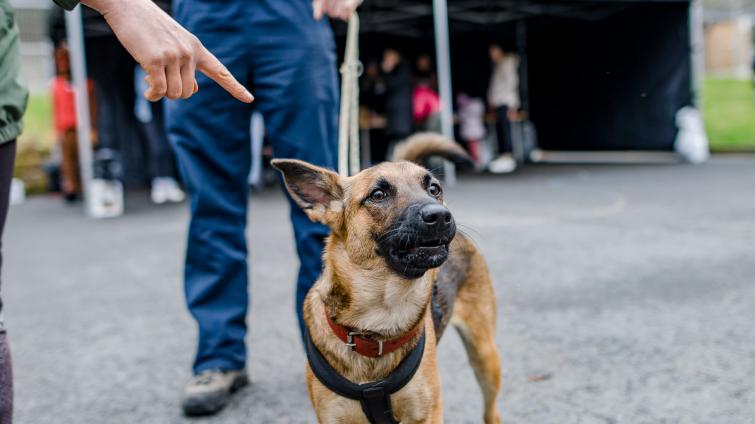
[348,119]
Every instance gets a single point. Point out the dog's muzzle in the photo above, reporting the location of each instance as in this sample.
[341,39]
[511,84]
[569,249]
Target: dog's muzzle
[418,240]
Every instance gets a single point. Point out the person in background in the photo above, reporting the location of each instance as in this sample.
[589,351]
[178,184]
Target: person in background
[397,75]
[425,73]
[503,96]
[372,87]
[64,120]
[165,188]
[111,68]
[425,98]
[471,124]
[372,102]
[64,108]
[155,40]
[425,108]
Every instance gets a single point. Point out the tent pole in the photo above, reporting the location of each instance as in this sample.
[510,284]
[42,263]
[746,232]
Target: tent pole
[75,33]
[443,64]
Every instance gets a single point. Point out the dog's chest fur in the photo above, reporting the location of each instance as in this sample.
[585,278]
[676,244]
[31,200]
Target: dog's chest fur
[389,309]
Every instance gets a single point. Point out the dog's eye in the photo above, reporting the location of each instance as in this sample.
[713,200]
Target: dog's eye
[378,195]
[434,190]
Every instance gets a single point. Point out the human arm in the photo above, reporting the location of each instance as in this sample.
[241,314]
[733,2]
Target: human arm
[168,53]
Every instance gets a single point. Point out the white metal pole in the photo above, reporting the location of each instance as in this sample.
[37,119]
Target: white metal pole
[75,34]
[443,64]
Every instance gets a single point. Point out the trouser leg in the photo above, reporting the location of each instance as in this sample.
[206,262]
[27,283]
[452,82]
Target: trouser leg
[504,131]
[210,137]
[161,156]
[7,157]
[296,89]
[112,70]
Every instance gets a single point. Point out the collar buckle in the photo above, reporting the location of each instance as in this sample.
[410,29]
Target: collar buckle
[351,344]
[350,340]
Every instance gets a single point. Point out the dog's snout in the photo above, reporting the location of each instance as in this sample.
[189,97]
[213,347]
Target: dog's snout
[435,214]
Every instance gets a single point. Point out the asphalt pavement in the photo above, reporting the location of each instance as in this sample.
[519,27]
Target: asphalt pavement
[626,294]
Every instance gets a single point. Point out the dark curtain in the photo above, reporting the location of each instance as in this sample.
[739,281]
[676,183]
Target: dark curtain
[613,84]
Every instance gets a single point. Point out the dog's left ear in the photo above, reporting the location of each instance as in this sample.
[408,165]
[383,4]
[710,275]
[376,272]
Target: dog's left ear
[317,190]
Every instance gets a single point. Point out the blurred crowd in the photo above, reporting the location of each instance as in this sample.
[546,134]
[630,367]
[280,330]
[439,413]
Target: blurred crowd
[398,96]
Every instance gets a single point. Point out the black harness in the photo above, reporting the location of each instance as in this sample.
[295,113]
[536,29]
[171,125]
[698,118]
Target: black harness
[375,397]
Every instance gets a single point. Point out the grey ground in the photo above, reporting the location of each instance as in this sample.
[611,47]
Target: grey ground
[626,295]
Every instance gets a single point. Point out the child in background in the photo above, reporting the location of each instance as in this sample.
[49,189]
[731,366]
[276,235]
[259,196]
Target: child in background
[425,98]
[425,108]
[471,125]
[64,117]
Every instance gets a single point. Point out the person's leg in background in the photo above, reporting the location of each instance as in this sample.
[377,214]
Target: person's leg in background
[210,137]
[294,72]
[69,166]
[7,157]
[504,130]
[115,122]
[165,188]
[160,156]
[505,162]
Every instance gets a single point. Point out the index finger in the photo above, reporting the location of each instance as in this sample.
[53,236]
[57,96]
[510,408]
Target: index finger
[209,65]
[317,6]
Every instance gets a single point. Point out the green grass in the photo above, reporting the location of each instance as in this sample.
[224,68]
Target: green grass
[729,108]
[38,127]
[35,144]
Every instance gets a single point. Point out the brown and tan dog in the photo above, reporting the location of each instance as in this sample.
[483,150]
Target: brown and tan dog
[393,267]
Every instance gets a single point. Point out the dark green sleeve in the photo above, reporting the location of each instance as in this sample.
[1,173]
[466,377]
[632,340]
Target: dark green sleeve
[67,4]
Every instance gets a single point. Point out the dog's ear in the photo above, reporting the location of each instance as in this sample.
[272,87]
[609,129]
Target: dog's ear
[317,190]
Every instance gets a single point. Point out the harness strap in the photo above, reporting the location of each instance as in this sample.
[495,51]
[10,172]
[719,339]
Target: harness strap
[375,396]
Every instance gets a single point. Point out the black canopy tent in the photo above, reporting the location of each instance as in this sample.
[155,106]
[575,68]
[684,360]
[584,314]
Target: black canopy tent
[595,75]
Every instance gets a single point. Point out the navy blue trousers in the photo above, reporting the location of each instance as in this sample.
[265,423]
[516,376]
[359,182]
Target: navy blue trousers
[288,60]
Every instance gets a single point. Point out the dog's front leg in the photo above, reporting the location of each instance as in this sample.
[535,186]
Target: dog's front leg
[437,414]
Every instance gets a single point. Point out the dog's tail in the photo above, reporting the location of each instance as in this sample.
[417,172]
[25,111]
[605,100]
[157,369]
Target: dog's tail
[424,145]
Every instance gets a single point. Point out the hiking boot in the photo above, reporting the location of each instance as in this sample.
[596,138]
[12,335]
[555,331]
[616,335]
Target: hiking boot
[209,391]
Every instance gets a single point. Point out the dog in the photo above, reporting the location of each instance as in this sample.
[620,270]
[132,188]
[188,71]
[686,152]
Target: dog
[395,273]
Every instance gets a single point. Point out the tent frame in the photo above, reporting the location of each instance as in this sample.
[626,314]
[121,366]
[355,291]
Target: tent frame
[395,16]
[75,31]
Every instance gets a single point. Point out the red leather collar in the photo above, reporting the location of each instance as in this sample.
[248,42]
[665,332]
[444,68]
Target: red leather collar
[367,346]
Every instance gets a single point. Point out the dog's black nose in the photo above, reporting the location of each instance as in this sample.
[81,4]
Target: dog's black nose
[435,214]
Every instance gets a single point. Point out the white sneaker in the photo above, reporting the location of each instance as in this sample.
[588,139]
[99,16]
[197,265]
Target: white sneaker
[107,198]
[504,164]
[165,189]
